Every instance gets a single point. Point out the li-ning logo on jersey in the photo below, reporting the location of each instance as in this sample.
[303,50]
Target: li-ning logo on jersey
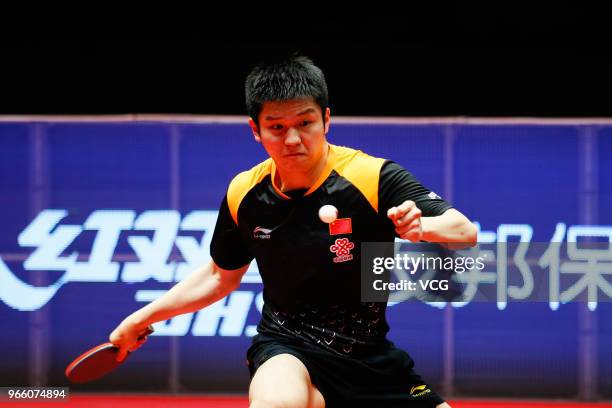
[433,196]
[419,390]
[261,233]
[342,248]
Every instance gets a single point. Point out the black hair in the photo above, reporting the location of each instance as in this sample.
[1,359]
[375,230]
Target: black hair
[296,77]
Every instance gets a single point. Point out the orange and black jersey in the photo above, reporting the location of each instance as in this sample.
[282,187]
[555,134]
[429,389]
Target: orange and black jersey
[311,270]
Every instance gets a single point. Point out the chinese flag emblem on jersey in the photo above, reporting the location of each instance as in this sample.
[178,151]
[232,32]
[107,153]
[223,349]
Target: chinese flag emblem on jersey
[340,226]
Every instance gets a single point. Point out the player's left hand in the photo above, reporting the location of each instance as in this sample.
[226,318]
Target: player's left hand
[407,220]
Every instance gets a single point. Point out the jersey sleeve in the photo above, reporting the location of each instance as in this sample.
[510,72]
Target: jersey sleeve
[397,185]
[228,248]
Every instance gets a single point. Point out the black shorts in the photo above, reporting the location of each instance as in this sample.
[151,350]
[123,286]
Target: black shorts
[384,378]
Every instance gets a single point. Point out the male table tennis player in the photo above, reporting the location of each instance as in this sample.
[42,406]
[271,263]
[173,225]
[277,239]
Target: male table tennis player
[318,344]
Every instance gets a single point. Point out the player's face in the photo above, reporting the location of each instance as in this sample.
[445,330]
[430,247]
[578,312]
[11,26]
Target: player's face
[293,133]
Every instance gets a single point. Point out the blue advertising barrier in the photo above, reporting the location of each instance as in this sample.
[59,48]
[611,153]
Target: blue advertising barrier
[100,217]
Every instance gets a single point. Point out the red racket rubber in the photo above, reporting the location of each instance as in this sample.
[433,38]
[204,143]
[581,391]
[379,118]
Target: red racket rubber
[97,362]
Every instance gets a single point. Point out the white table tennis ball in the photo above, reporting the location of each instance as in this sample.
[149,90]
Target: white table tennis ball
[328,213]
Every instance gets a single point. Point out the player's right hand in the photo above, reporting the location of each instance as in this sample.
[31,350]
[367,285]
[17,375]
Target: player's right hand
[127,338]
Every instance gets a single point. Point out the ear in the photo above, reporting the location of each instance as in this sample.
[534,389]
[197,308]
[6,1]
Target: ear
[255,130]
[327,118]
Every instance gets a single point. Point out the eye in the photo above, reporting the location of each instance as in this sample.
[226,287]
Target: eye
[305,123]
[276,127]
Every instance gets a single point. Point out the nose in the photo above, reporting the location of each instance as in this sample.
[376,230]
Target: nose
[292,137]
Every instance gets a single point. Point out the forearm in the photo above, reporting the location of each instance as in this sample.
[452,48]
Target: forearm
[201,288]
[450,227]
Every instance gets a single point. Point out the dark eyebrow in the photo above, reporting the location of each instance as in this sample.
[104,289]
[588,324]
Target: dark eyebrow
[304,112]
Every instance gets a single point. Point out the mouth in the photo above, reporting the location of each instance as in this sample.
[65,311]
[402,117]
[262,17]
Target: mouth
[294,154]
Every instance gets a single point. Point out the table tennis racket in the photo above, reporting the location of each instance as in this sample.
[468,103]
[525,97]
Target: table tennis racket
[97,362]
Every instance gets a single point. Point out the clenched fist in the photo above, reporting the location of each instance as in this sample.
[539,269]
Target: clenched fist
[407,220]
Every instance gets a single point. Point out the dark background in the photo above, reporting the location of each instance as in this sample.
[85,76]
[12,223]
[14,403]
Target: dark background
[510,59]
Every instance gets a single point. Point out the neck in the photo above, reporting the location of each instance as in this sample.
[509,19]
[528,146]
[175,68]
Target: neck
[288,180]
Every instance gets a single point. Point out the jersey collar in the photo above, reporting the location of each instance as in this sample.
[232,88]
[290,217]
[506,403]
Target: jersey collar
[329,166]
